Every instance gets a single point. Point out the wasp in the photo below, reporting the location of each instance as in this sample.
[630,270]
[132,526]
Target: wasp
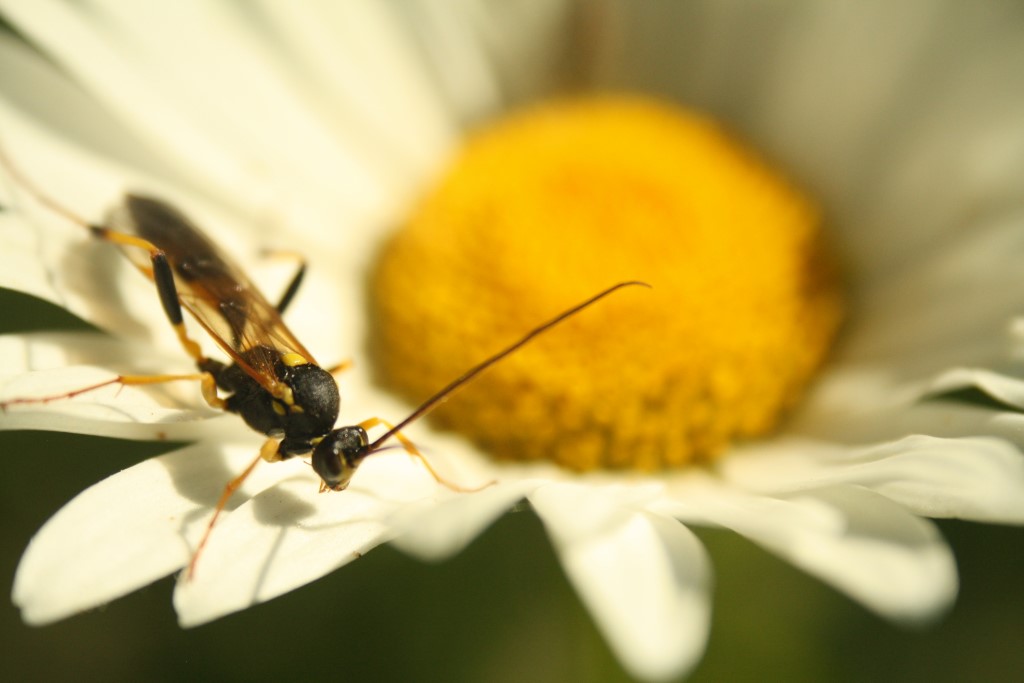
[272,381]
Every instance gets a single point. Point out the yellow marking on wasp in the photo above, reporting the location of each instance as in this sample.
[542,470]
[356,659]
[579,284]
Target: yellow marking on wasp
[125,239]
[279,408]
[269,451]
[209,389]
[293,359]
[190,345]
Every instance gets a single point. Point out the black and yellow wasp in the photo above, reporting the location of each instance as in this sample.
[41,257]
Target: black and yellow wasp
[273,382]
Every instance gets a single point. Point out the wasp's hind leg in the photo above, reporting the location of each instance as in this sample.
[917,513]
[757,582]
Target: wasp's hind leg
[163,279]
[209,388]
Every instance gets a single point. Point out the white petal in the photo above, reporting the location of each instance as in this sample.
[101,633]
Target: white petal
[113,69]
[979,479]
[35,351]
[949,309]
[932,184]
[47,96]
[357,59]
[67,35]
[127,531]
[232,115]
[267,127]
[457,56]
[950,304]
[521,41]
[436,530]
[937,418]
[645,578]
[1008,390]
[45,254]
[860,542]
[892,561]
[290,535]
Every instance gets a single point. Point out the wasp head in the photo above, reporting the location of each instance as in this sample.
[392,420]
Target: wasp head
[336,458]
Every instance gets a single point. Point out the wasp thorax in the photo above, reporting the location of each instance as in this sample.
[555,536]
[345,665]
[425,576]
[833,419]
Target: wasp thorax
[336,458]
[315,401]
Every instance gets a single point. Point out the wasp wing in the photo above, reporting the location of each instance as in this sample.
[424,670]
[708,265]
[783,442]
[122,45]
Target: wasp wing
[211,287]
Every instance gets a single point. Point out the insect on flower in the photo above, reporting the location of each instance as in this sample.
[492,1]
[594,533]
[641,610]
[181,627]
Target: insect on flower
[272,381]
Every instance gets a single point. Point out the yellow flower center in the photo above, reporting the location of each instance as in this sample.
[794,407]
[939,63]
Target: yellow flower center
[548,206]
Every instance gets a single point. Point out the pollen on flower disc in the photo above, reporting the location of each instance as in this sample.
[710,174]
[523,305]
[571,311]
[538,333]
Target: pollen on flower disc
[548,206]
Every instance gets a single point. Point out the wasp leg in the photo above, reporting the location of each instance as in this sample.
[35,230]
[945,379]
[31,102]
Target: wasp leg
[411,449]
[163,278]
[209,388]
[40,196]
[341,367]
[293,288]
[268,452]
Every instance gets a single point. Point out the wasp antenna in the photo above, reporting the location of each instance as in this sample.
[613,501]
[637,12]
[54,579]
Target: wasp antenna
[467,376]
[40,196]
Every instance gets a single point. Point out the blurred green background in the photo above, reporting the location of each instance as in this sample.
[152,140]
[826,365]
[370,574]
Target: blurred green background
[500,611]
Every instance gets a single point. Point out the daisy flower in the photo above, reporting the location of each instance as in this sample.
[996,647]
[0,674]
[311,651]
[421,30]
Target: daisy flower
[779,381]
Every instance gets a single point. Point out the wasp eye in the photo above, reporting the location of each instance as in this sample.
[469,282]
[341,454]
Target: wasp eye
[336,458]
